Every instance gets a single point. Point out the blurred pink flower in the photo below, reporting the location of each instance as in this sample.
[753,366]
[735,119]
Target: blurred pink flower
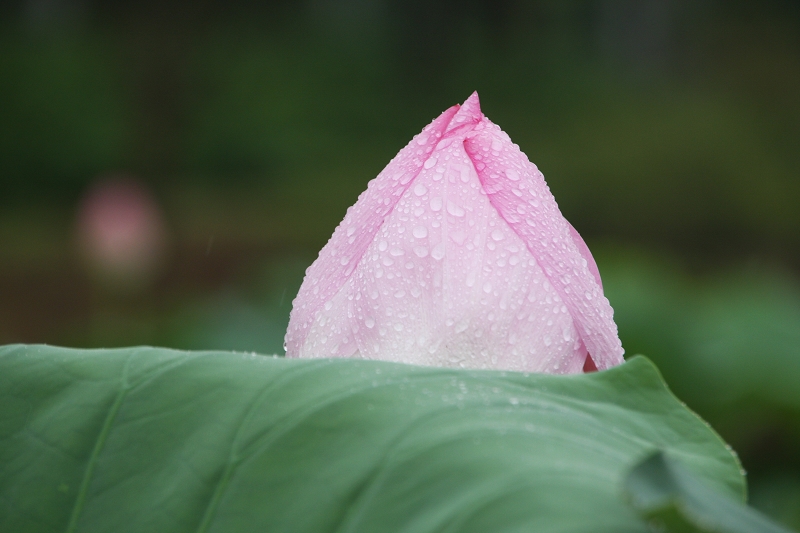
[457,255]
[121,232]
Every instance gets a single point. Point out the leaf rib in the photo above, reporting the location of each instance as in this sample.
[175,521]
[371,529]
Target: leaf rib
[80,500]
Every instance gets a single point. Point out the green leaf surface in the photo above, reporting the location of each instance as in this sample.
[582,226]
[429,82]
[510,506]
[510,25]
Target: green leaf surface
[675,500]
[146,439]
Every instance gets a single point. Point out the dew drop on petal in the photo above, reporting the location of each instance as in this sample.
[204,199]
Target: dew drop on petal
[438,251]
[455,209]
[420,232]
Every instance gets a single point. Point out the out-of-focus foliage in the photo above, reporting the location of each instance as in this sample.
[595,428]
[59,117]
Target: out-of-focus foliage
[674,500]
[728,343]
[667,125]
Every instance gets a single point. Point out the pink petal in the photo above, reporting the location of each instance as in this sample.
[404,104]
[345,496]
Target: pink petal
[518,191]
[339,257]
[580,244]
[448,283]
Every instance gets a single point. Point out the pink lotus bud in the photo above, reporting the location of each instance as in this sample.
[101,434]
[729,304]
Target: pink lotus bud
[457,255]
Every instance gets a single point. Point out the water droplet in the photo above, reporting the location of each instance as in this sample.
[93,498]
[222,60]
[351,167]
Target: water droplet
[487,287]
[400,293]
[436,203]
[420,232]
[420,189]
[351,230]
[429,163]
[420,251]
[458,237]
[398,326]
[382,246]
[438,251]
[328,306]
[344,260]
[396,252]
[497,235]
[455,209]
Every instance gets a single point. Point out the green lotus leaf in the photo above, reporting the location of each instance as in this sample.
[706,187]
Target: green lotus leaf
[148,439]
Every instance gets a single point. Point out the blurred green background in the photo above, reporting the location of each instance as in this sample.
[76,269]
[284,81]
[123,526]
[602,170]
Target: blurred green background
[169,168]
